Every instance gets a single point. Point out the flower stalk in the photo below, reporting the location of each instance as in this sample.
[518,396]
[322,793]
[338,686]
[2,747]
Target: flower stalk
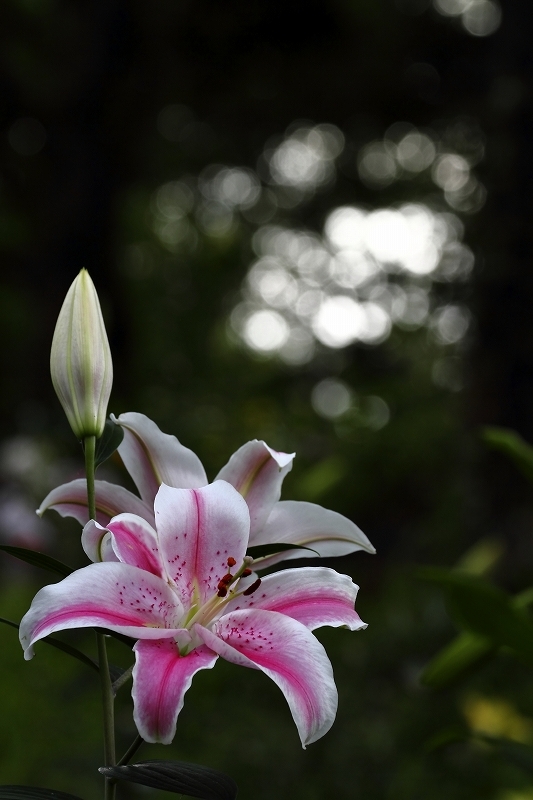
[105,678]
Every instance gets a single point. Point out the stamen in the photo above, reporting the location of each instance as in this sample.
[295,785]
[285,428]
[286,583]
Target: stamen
[244,568]
[251,589]
[222,591]
[246,572]
[231,562]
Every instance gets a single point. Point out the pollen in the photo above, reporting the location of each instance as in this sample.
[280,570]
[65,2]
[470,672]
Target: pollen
[251,589]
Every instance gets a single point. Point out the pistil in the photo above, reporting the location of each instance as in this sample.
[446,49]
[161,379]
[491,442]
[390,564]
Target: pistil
[209,610]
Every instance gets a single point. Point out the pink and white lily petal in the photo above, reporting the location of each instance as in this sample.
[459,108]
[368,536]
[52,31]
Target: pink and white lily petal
[308,524]
[287,652]
[153,457]
[199,529]
[160,679]
[257,472]
[70,500]
[110,595]
[135,542]
[314,596]
[96,542]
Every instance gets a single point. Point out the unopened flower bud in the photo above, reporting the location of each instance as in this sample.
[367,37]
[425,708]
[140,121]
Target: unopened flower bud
[80,361]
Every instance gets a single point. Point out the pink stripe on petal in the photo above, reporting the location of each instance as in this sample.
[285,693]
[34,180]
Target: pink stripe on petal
[153,457]
[160,679]
[135,543]
[315,596]
[287,652]
[87,615]
[257,472]
[198,530]
[110,594]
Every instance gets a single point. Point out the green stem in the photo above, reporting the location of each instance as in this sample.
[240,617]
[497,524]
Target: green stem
[124,678]
[107,700]
[130,752]
[105,678]
[90,447]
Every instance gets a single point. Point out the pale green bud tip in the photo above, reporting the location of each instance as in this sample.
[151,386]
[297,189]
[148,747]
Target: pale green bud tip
[80,360]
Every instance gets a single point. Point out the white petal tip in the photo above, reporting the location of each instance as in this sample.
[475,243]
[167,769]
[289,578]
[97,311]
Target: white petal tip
[281,459]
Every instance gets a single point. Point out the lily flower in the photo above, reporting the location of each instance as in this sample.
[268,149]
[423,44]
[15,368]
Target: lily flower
[255,470]
[185,591]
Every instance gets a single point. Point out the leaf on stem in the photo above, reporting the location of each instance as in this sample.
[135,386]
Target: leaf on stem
[66,648]
[33,793]
[108,442]
[115,672]
[37,559]
[451,734]
[516,752]
[464,652]
[485,610]
[509,442]
[263,550]
[519,754]
[193,780]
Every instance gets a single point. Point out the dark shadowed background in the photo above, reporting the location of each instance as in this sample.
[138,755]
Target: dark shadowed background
[309,223]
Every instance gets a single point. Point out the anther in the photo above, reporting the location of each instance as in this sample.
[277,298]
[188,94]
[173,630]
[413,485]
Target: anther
[246,572]
[222,591]
[231,562]
[251,589]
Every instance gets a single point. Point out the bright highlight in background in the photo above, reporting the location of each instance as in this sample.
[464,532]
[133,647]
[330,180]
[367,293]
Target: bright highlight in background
[369,269]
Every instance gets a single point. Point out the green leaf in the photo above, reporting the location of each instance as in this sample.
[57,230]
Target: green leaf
[119,677]
[193,780]
[446,736]
[264,550]
[9,622]
[108,442]
[66,648]
[464,652]
[482,557]
[516,752]
[524,599]
[485,610]
[115,672]
[320,478]
[37,559]
[71,651]
[509,442]
[8,792]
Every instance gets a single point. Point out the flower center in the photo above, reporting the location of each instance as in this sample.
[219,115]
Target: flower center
[226,591]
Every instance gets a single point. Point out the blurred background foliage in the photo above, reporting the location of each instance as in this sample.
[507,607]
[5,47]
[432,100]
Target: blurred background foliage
[308,222]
